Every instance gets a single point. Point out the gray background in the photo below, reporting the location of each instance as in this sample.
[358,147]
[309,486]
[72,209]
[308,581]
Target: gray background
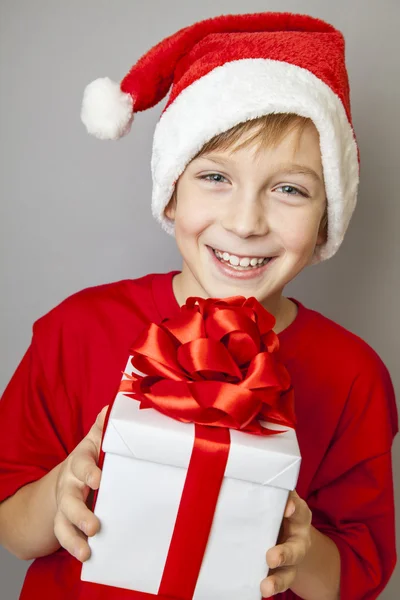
[75,211]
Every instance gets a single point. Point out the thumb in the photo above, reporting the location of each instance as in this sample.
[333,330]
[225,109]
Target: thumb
[291,504]
[96,431]
[101,418]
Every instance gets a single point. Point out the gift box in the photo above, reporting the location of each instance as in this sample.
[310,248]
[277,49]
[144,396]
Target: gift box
[189,509]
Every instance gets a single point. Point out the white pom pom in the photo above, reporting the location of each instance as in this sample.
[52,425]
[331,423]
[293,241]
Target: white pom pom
[107,112]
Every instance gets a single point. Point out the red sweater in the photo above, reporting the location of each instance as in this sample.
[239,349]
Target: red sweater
[345,409]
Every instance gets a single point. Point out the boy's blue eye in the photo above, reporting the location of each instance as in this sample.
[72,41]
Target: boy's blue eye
[213,177]
[290,187]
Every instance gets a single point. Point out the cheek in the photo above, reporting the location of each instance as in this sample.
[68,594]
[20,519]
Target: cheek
[299,230]
[193,213]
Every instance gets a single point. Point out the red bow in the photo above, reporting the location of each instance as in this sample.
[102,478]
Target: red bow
[214,364]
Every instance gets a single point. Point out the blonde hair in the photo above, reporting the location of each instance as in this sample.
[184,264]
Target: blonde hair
[265,132]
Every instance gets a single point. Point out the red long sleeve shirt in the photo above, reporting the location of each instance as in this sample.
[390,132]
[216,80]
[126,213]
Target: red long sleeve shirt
[345,408]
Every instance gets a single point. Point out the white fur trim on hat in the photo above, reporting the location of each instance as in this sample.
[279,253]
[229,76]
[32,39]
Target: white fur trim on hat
[249,88]
[107,112]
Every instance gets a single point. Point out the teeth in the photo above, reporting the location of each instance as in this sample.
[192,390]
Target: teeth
[241,263]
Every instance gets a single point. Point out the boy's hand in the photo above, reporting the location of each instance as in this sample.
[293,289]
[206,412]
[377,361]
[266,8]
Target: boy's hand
[294,543]
[79,474]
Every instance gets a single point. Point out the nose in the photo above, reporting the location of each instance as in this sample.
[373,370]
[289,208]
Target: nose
[246,217]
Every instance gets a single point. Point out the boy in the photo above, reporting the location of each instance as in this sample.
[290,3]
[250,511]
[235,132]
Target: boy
[255,170]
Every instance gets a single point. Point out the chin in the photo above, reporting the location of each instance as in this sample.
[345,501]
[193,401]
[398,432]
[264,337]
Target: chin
[219,288]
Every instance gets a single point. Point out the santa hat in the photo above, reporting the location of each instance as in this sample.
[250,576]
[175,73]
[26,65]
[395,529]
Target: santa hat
[227,70]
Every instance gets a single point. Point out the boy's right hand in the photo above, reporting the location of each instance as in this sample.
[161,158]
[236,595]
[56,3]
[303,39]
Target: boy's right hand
[78,475]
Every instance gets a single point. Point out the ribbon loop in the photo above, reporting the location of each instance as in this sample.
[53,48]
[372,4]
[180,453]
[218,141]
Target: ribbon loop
[215,363]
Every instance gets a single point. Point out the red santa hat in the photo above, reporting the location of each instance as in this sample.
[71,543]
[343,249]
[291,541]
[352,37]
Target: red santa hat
[227,70]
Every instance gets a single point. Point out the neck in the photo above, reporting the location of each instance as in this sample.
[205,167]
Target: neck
[284,314]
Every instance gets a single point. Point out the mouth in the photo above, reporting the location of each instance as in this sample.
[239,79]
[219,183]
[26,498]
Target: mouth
[240,266]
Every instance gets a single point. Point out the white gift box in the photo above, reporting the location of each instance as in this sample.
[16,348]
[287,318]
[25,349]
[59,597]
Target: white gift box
[146,460]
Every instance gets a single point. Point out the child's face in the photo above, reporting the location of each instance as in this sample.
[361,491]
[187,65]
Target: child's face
[235,203]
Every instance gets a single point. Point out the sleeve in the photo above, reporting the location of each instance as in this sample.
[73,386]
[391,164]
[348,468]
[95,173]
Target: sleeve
[352,500]
[38,419]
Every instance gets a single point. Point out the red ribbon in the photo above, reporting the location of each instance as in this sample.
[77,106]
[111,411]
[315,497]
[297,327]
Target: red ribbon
[196,512]
[214,365]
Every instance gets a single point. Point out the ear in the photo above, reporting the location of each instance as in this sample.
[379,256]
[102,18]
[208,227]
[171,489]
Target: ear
[321,239]
[323,229]
[170,209]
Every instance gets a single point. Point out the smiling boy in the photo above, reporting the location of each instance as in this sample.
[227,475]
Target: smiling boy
[249,217]
[255,171]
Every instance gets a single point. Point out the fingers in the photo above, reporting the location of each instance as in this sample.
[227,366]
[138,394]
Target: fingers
[284,558]
[292,552]
[74,521]
[76,511]
[83,465]
[278,582]
[297,510]
[296,537]
[71,538]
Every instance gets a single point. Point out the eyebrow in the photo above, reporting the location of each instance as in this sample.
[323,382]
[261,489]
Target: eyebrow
[302,169]
[282,168]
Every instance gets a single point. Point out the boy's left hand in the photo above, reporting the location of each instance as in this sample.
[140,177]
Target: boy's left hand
[294,542]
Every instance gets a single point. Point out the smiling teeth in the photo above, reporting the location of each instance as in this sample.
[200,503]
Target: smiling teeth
[245,263]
